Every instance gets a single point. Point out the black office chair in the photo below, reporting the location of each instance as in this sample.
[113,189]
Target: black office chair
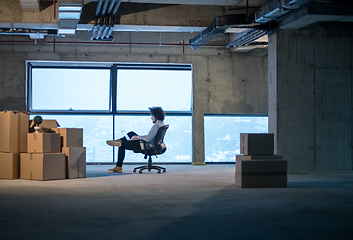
[159,148]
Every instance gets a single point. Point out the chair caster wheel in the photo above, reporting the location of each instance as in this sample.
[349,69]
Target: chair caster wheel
[140,172]
[159,172]
[165,171]
[134,170]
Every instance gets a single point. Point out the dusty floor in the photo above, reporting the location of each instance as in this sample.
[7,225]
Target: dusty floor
[187,202]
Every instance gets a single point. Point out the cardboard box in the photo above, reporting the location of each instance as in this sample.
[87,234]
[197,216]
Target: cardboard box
[75,161]
[257,143]
[70,137]
[81,162]
[261,166]
[260,181]
[43,143]
[9,165]
[42,166]
[46,126]
[13,131]
[261,173]
[255,157]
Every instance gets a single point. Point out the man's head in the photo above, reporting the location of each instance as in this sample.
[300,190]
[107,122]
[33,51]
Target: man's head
[157,114]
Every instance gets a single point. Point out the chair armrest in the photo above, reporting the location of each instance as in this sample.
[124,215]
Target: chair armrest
[143,146]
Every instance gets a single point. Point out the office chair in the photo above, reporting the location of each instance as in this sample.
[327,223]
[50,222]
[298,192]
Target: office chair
[159,148]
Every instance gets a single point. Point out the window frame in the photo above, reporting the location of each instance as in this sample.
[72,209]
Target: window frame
[113,87]
[114,67]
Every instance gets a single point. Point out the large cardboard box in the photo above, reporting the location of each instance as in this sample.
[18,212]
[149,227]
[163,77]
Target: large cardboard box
[81,162]
[9,165]
[70,137]
[75,161]
[261,173]
[256,157]
[46,125]
[42,166]
[257,143]
[43,143]
[260,181]
[13,131]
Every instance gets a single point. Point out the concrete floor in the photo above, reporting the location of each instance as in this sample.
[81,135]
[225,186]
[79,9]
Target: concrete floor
[187,202]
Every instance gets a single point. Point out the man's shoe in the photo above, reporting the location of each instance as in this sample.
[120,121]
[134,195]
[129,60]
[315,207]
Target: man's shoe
[116,143]
[116,170]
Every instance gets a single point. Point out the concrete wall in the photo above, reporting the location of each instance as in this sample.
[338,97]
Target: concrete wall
[310,99]
[223,82]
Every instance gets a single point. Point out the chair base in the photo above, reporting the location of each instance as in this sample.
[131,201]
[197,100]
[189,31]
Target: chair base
[150,167]
[160,169]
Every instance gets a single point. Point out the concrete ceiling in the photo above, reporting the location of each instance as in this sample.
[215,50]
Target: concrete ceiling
[178,15]
[253,3]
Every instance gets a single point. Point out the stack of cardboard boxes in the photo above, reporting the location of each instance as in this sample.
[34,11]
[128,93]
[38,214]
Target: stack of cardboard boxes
[57,153]
[258,166]
[13,141]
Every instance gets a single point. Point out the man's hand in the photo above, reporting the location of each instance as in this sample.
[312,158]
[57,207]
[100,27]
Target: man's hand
[134,137]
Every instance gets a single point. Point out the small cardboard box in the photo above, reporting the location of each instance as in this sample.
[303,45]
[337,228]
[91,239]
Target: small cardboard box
[75,161]
[257,143]
[261,173]
[13,131]
[46,125]
[70,137]
[255,157]
[43,143]
[9,165]
[42,166]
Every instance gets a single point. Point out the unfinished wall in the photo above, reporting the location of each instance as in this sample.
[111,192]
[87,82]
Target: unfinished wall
[310,99]
[223,82]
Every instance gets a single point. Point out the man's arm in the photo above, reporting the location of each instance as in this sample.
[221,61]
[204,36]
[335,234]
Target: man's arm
[151,134]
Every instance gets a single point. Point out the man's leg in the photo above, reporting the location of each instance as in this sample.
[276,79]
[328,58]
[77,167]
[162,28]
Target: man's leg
[129,145]
[118,142]
[125,144]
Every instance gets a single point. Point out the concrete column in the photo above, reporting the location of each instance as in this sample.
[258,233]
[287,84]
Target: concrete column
[199,103]
[310,99]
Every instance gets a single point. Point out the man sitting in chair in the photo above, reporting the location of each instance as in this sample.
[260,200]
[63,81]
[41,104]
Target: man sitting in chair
[157,116]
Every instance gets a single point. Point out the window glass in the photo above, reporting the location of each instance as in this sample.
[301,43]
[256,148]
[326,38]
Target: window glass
[177,138]
[70,89]
[97,130]
[139,89]
[222,135]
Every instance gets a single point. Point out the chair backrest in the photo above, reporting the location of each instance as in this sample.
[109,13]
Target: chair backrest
[159,145]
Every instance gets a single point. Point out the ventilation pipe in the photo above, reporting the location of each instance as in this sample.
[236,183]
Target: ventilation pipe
[96,26]
[277,9]
[105,21]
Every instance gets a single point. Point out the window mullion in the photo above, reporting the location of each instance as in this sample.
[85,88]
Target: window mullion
[113,90]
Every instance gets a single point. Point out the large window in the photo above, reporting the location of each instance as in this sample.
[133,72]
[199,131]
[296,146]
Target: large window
[222,135]
[140,89]
[65,89]
[107,98]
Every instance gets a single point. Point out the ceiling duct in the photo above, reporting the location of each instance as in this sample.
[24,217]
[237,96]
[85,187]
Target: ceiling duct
[69,16]
[218,27]
[277,9]
[247,38]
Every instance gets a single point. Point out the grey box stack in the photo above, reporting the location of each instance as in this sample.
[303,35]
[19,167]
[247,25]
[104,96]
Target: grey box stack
[259,167]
